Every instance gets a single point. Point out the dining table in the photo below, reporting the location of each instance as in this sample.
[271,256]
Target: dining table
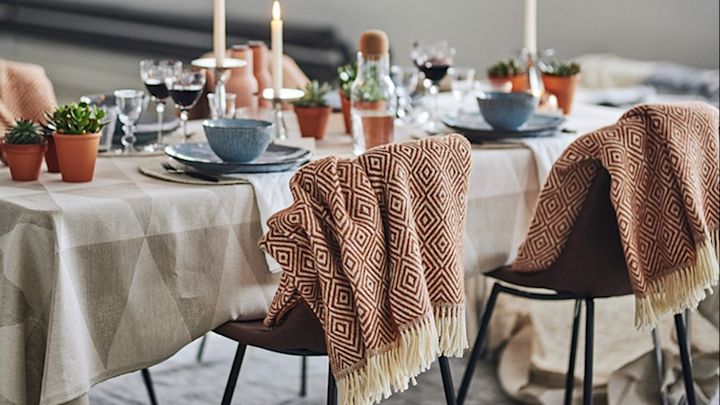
[107,277]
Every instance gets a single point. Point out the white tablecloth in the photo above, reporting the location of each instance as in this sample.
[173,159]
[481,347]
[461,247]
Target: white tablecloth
[103,278]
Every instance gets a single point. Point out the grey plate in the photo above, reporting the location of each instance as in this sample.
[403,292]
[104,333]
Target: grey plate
[476,130]
[277,158]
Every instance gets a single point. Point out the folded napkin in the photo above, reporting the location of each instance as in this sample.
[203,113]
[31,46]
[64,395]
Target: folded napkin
[374,246]
[546,151]
[665,189]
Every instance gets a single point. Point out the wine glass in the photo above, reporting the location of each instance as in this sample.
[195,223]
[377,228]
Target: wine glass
[433,60]
[406,80]
[462,82]
[185,88]
[154,73]
[130,105]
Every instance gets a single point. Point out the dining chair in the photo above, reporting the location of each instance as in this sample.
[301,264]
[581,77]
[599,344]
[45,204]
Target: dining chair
[591,266]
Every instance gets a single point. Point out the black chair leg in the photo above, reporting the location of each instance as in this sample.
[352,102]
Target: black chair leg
[477,348]
[447,380]
[149,385]
[234,372]
[570,376]
[201,349]
[303,376]
[681,332]
[589,335]
[660,367]
[332,388]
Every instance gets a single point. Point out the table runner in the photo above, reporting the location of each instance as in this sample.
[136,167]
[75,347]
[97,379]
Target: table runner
[664,181]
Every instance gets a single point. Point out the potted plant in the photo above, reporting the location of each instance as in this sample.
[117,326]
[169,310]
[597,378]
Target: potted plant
[76,132]
[312,110]
[503,72]
[51,160]
[24,147]
[346,77]
[560,79]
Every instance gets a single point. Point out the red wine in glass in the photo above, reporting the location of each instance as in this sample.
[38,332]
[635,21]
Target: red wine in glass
[434,70]
[157,88]
[186,96]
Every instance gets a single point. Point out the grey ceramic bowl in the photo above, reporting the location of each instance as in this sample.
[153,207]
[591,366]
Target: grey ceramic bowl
[507,111]
[238,140]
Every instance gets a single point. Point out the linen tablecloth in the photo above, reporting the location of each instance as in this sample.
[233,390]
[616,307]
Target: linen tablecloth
[103,278]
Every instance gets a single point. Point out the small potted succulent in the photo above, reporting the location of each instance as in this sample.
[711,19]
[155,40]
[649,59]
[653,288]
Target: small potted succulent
[51,159]
[503,72]
[346,77]
[76,132]
[560,79]
[312,110]
[24,147]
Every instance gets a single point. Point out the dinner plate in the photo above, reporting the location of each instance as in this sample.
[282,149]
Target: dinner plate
[477,130]
[277,158]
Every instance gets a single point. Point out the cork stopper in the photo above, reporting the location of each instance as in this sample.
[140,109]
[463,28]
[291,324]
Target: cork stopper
[374,43]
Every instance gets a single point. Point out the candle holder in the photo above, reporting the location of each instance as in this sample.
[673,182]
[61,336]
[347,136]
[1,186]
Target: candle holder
[285,95]
[219,90]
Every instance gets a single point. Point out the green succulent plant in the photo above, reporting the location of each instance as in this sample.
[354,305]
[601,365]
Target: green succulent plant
[314,95]
[24,132]
[560,68]
[76,119]
[505,69]
[346,77]
[370,89]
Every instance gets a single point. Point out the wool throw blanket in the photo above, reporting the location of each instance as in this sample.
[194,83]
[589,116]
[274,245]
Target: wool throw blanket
[374,246]
[664,187]
[25,92]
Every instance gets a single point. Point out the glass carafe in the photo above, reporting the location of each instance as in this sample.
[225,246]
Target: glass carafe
[373,103]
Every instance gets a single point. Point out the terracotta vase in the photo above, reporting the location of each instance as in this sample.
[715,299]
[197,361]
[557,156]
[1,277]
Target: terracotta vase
[261,70]
[500,83]
[312,121]
[76,155]
[25,160]
[51,159]
[562,87]
[241,80]
[377,129]
[520,83]
[346,107]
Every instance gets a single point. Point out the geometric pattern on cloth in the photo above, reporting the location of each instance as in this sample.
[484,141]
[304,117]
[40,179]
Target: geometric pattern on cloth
[664,187]
[374,246]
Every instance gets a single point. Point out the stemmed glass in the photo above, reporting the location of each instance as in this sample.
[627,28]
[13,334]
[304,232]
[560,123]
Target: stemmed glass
[405,79]
[433,60]
[462,82]
[185,88]
[130,105]
[154,73]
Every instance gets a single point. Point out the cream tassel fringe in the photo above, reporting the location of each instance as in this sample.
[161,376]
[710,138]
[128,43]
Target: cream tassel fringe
[393,370]
[681,289]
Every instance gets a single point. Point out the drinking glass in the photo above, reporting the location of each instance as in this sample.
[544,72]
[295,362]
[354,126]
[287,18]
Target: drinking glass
[130,105]
[433,60]
[215,111]
[406,80]
[154,73]
[462,82]
[185,88]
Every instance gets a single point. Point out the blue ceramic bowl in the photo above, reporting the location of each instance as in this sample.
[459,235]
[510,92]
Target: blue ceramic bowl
[238,141]
[507,111]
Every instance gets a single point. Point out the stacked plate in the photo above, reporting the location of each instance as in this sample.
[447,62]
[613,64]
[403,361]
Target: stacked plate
[277,158]
[477,130]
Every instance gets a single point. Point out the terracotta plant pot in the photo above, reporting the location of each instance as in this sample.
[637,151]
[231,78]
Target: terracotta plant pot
[562,87]
[377,129]
[25,160]
[520,83]
[312,121]
[51,160]
[76,155]
[346,106]
[500,83]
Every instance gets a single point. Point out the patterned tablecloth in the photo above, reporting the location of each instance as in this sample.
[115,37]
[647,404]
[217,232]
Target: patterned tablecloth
[111,276]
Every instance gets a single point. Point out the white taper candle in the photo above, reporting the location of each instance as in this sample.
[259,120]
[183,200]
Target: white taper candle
[531,26]
[276,29]
[219,31]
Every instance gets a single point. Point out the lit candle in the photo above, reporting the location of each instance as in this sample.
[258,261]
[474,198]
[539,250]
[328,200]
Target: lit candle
[219,31]
[276,29]
[531,26]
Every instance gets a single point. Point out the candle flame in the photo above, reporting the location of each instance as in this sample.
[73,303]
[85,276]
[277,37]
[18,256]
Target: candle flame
[276,10]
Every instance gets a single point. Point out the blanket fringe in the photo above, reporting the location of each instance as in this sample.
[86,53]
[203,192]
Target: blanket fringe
[393,370]
[681,289]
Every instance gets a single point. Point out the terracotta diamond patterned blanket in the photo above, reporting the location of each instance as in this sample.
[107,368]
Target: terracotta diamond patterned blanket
[374,246]
[663,165]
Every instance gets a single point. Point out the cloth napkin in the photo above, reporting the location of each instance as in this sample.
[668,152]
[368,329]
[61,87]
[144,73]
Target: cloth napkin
[546,151]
